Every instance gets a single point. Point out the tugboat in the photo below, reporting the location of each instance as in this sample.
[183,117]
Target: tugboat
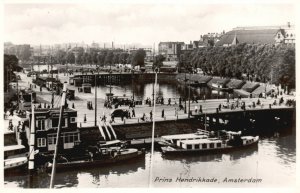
[228,141]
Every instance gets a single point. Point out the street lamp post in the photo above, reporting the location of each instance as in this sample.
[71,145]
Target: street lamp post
[189,97]
[185,91]
[132,72]
[110,79]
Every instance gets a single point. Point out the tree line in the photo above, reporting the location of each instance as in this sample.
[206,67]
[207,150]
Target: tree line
[10,65]
[258,62]
[100,57]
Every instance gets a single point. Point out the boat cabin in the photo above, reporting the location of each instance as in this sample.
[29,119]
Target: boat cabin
[12,151]
[202,144]
[176,139]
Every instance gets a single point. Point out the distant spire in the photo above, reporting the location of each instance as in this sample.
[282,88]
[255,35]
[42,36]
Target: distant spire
[235,40]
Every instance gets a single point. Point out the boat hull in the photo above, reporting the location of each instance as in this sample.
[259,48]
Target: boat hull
[97,162]
[15,164]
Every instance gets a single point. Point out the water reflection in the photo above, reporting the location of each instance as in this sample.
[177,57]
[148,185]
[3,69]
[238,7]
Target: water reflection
[272,156]
[172,90]
[213,157]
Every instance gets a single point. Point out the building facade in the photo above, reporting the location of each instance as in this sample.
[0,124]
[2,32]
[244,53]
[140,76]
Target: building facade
[149,53]
[46,125]
[170,50]
[23,52]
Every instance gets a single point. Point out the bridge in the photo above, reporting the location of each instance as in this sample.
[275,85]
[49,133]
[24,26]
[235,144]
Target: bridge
[118,78]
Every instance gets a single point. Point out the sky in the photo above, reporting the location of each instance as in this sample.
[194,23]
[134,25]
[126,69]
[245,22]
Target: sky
[133,23]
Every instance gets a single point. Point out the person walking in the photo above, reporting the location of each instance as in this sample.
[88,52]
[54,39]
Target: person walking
[169,101]
[133,112]
[163,113]
[151,115]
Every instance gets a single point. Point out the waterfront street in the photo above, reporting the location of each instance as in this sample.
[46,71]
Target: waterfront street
[80,104]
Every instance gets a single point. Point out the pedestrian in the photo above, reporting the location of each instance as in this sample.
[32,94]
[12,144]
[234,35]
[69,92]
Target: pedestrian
[151,115]
[169,101]
[149,103]
[179,100]
[143,117]
[220,106]
[73,106]
[84,118]
[133,112]
[163,113]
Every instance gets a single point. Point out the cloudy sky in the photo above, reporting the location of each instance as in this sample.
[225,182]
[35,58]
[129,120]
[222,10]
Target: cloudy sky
[133,23]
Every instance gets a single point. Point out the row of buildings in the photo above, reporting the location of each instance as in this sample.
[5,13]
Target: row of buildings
[284,34]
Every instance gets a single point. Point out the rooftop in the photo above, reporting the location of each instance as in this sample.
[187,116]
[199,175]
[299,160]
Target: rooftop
[263,36]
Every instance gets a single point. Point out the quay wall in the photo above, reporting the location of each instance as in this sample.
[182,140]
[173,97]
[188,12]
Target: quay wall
[144,130]
[265,121]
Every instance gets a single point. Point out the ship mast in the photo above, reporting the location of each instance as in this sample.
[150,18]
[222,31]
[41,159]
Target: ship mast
[62,106]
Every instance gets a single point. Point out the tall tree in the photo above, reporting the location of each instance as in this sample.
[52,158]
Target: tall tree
[158,61]
[138,58]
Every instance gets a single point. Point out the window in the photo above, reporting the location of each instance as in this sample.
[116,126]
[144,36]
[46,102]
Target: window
[40,125]
[51,139]
[73,120]
[189,146]
[211,145]
[204,146]
[71,137]
[218,144]
[197,146]
[55,122]
[41,142]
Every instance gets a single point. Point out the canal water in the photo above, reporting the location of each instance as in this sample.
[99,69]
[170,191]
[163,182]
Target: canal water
[271,164]
[172,90]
